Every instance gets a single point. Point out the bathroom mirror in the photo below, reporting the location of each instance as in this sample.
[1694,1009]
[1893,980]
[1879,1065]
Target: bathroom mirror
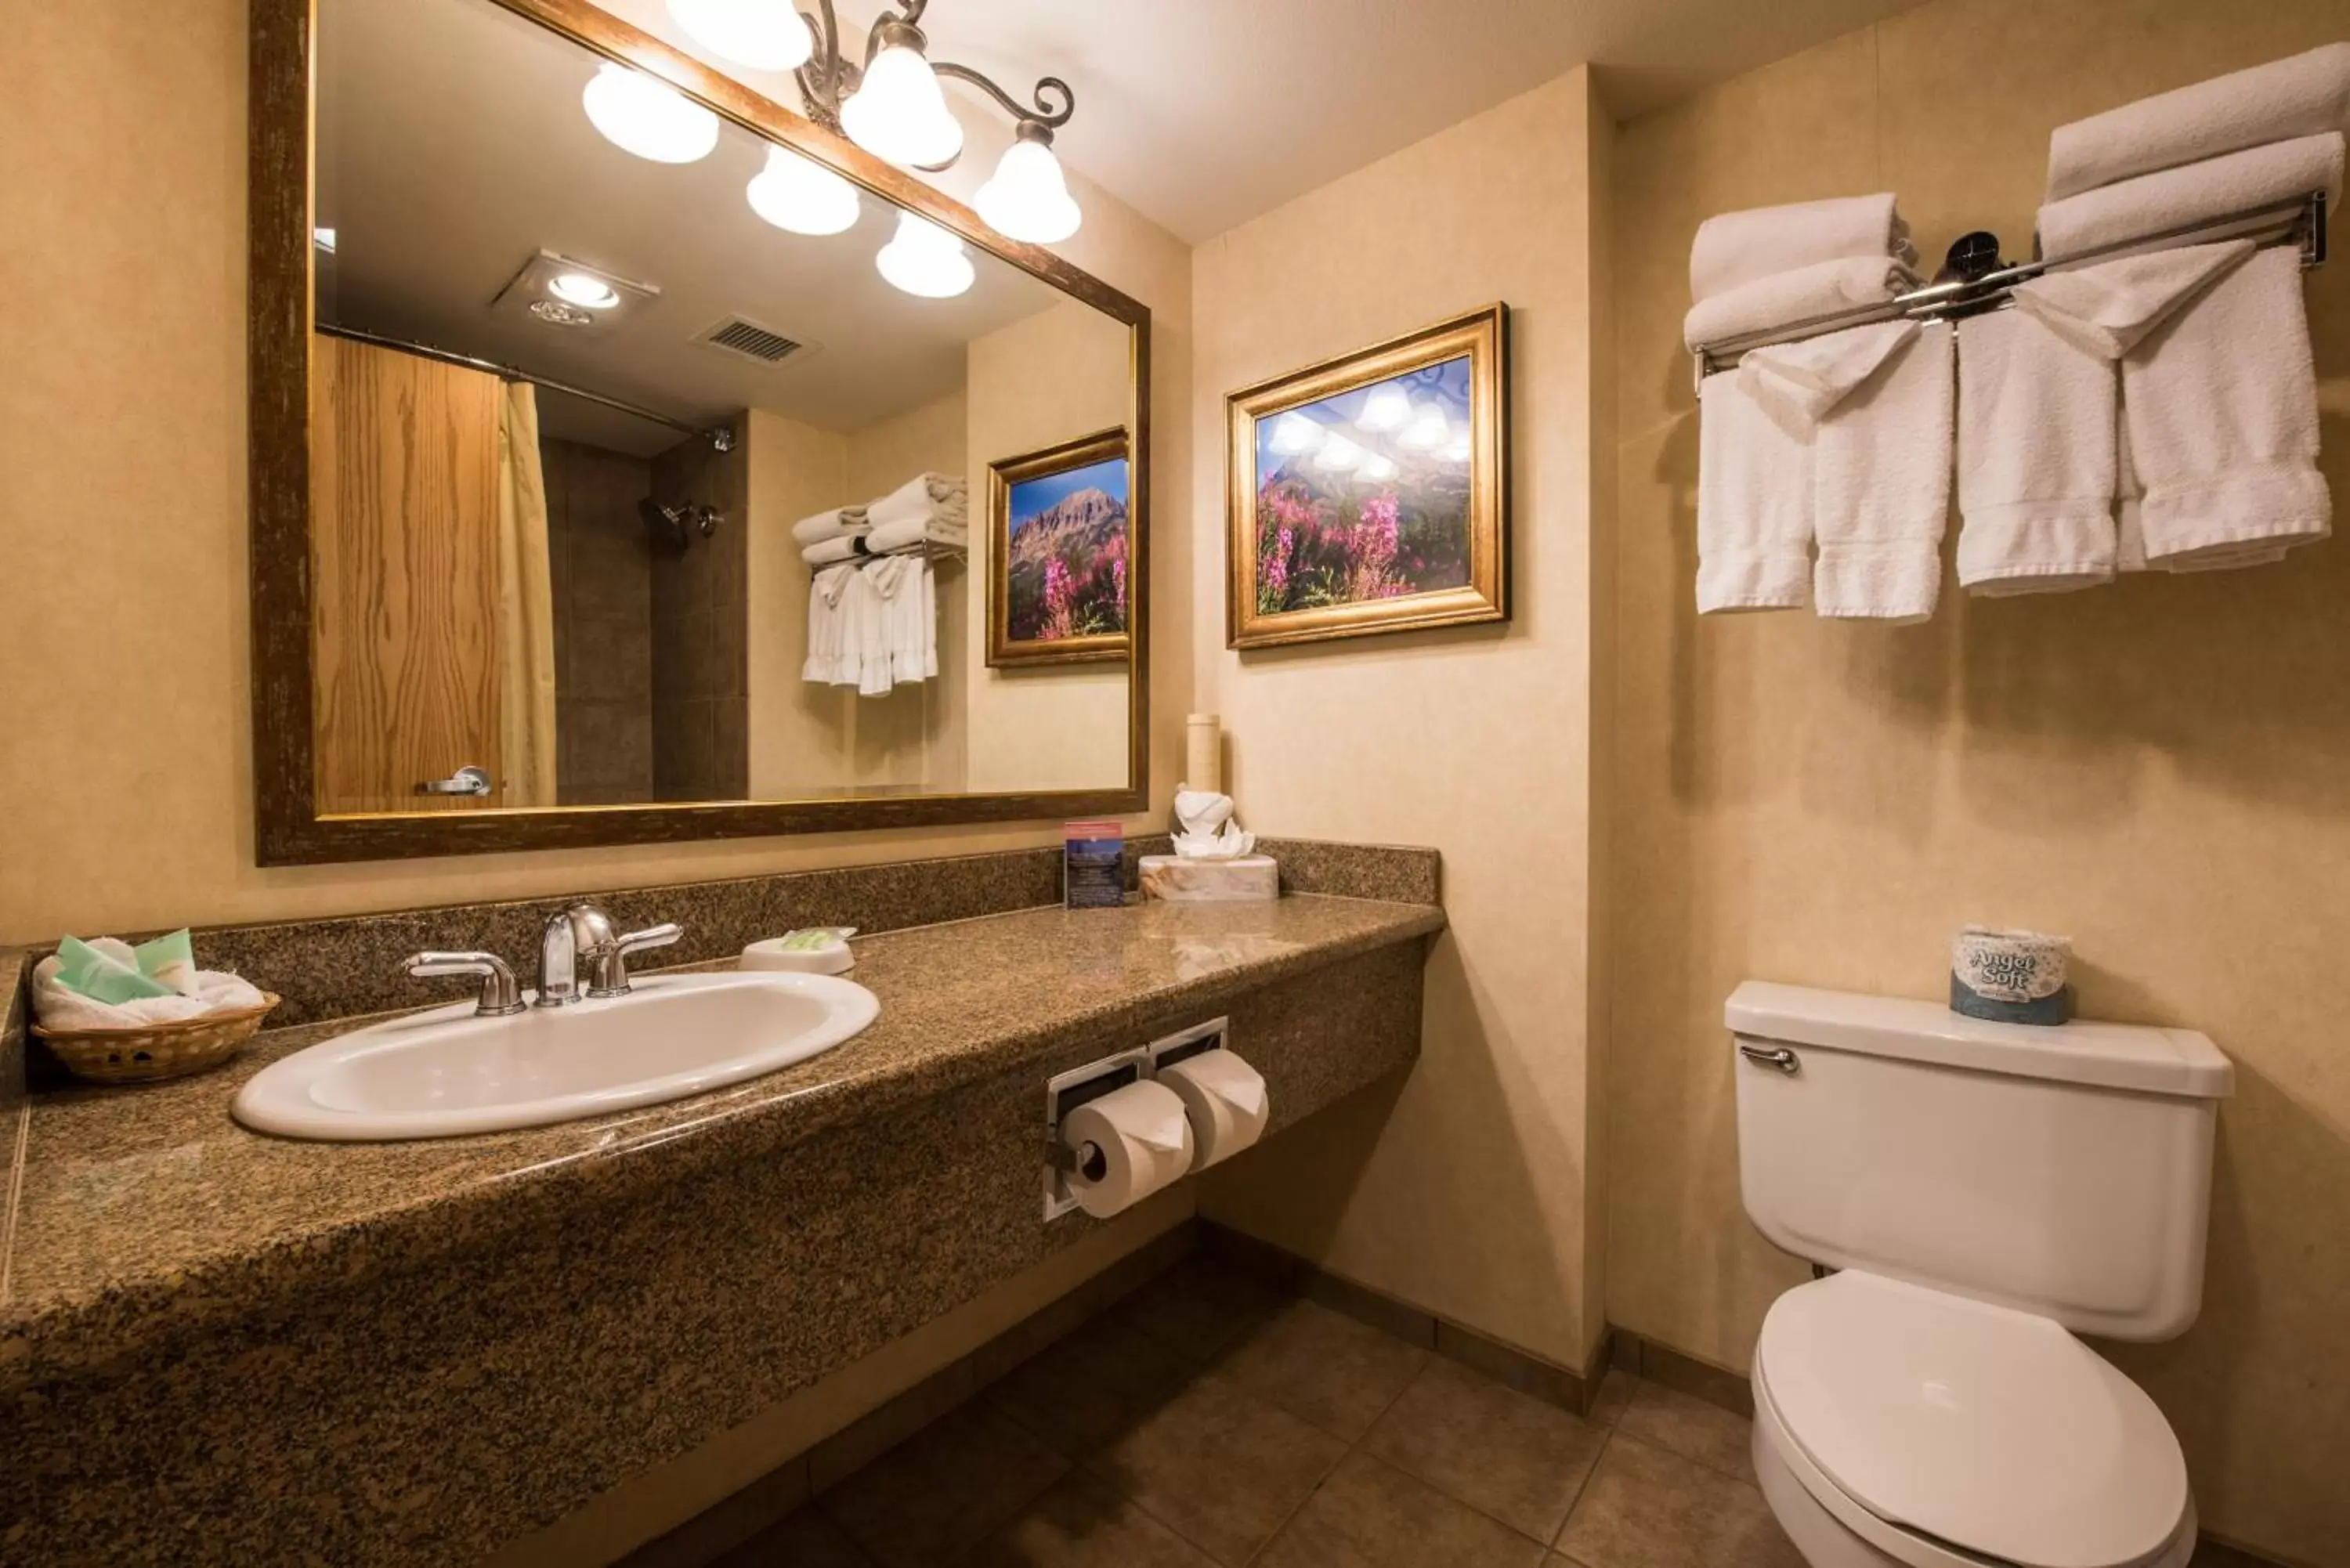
[637,460]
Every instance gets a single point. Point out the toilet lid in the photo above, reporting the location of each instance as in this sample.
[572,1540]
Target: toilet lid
[1991,1429]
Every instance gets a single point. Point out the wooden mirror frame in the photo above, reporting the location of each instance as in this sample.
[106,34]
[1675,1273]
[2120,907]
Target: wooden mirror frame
[288,828]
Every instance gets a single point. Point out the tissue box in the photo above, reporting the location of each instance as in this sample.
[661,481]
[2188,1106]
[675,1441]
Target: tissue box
[1246,879]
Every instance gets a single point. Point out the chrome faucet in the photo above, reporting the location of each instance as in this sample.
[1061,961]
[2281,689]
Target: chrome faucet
[583,934]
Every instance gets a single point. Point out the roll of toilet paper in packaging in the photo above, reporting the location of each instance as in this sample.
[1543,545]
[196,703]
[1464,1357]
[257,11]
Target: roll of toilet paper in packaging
[1225,1098]
[1145,1140]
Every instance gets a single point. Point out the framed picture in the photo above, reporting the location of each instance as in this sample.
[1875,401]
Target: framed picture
[1371,494]
[1058,538]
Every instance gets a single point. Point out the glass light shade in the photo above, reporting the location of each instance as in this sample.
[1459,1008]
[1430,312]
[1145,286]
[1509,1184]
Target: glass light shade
[1386,408]
[898,113]
[640,115]
[765,34]
[1458,452]
[923,258]
[802,195]
[1339,452]
[1028,198]
[1294,433]
[1429,427]
[582,289]
[1377,469]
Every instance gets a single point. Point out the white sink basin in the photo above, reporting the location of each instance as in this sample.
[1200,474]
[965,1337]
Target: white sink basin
[445,1072]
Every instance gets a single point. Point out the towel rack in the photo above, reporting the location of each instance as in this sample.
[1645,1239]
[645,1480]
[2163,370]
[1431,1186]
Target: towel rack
[2300,221]
[929,549]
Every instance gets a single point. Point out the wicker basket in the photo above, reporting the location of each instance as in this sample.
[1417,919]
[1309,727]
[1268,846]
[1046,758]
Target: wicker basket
[158,1051]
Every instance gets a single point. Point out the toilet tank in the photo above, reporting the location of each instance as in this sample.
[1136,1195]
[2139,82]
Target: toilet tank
[2061,1171]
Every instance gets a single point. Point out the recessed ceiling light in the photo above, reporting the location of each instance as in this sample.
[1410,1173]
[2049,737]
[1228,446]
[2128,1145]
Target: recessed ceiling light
[582,289]
[557,313]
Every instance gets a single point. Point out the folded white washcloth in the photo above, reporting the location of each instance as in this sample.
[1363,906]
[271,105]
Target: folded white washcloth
[2302,95]
[1732,249]
[2035,458]
[2107,308]
[2172,199]
[2223,429]
[1881,484]
[1790,298]
[934,528]
[917,497]
[828,662]
[61,1008]
[1803,380]
[823,526]
[839,547]
[1754,502]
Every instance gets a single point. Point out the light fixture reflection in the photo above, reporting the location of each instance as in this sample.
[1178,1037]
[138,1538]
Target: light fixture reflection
[1294,433]
[1458,452]
[1028,198]
[898,114]
[588,292]
[1377,469]
[1429,427]
[802,195]
[1338,453]
[640,115]
[923,258]
[1386,408]
[765,34]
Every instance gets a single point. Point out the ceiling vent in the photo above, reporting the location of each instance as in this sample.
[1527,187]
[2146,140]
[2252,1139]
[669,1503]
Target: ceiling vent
[749,340]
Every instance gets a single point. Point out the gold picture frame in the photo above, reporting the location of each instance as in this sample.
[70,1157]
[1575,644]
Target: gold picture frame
[1369,493]
[1049,595]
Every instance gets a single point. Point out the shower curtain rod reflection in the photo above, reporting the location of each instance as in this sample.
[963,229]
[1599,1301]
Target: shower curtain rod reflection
[721,437]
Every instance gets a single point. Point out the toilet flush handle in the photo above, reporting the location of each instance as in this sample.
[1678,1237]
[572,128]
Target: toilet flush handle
[1777,1056]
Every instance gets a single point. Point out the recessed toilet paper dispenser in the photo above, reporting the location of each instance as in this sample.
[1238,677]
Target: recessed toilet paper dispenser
[1120,1128]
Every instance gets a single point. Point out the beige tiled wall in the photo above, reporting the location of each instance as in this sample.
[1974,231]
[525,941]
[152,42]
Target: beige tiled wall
[2161,768]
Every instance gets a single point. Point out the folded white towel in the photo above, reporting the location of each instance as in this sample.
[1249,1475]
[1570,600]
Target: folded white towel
[936,528]
[2258,177]
[1803,380]
[1736,248]
[2035,458]
[2302,95]
[830,525]
[2106,308]
[60,1007]
[1881,483]
[1787,299]
[839,547]
[917,497]
[1754,502]
[2222,407]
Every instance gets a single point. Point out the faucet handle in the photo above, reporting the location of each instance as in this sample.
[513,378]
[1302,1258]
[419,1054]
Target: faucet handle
[609,968]
[501,995]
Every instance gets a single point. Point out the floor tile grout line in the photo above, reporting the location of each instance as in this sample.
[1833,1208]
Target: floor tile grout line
[1606,1441]
[1358,1446]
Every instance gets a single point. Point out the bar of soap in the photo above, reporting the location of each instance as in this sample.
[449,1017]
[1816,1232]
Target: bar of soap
[1247,879]
[795,952]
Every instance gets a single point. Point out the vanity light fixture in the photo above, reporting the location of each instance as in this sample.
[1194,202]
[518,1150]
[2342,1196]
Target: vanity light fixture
[1386,408]
[764,34]
[1294,433]
[802,195]
[584,290]
[891,106]
[1429,427]
[648,118]
[1338,453]
[925,259]
[1458,452]
[1377,469]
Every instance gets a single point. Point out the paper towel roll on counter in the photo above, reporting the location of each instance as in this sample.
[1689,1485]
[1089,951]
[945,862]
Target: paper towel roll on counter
[1224,1099]
[1144,1138]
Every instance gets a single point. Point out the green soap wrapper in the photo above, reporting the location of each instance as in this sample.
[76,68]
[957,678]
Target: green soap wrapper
[103,978]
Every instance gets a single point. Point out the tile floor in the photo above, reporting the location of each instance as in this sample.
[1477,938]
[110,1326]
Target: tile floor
[1206,1421]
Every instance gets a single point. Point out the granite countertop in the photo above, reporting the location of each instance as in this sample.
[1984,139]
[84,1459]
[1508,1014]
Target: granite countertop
[139,1208]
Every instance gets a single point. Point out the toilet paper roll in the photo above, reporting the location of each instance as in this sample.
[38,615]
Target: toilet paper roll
[1225,1100]
[1145,1139]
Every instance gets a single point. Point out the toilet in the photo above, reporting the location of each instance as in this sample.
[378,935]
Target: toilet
[1984,1193]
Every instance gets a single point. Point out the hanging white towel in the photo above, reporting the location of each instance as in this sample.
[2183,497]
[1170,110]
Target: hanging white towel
[2174,199]
[2302,95]
[2222,407]
[2035,458]
[2129,523]
[1803,380]
[828,662]
[2107,308]
[893,583]
[824,525]
[1736,248]
[1754,502]
[1881,483]
[1784,299]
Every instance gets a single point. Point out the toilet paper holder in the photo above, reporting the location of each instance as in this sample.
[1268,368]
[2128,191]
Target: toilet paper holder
[1064,1092]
